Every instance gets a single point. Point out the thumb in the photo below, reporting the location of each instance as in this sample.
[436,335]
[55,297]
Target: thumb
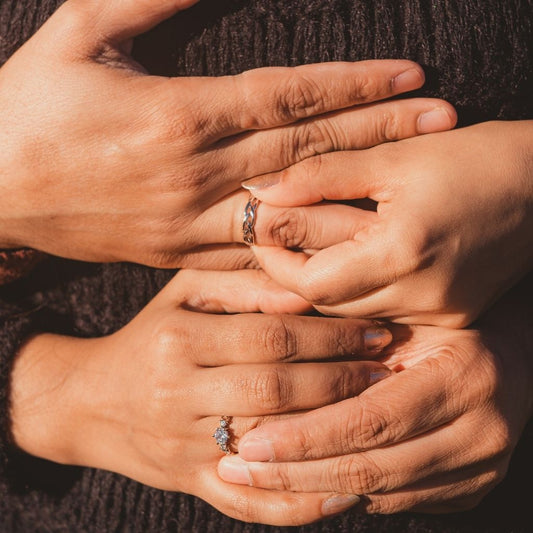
[120,20]
[240,291]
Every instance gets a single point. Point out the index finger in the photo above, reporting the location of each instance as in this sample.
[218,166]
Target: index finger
[390,411]
[275,96]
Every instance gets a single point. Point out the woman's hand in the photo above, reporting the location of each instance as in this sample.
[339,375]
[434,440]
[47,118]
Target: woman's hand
[434,437]
[452,230]
[145,401]
[101,161]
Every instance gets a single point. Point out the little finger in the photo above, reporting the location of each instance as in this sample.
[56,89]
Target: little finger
[352,129]
[271,507]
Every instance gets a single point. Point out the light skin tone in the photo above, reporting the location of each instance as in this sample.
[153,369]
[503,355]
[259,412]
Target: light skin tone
[434,437]
[451,233]
[186,169]
[144,401]
[86,133]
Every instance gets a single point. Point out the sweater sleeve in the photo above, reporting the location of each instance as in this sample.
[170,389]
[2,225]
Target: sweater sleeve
[15,264]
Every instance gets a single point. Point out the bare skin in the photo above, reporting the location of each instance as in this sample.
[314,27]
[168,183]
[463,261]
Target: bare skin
[144,401]
[451,233]
[103,162]
[434,437]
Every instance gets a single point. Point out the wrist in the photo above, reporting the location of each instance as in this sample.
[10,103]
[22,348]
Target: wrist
[47,410]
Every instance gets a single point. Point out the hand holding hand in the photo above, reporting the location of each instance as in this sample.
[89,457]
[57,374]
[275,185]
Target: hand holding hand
[451,233]
[434,437]
[102,162]
[145,401]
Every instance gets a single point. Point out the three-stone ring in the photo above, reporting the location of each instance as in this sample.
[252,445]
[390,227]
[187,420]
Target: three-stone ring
[222,434]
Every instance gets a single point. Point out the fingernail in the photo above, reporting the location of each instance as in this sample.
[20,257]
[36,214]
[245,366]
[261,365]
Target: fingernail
[378,375]
[234,470]
[338,503]
[260,182]
[376,337]
[436,120]
[256,449]
[408,80]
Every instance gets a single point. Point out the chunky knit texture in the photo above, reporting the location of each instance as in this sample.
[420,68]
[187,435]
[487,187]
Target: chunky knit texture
[476,53]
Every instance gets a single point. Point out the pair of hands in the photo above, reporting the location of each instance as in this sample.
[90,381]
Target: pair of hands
[103,162]
[76,161]
[184,146]
[426,423]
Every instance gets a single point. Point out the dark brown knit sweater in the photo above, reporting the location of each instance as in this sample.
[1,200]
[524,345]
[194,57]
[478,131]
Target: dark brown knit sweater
[476,53]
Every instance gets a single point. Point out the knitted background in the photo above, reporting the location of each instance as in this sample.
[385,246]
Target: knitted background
[476,53]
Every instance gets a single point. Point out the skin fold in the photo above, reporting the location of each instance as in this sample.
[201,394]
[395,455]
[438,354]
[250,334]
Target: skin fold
[103,162]
[87,133]
[450,234]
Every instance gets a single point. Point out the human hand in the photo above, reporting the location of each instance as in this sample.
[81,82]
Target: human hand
[452,231]
[145,401]
[102,162]
[435,437]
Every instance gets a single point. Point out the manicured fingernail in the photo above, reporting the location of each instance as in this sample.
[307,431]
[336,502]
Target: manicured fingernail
[376,337]
[338,503]
[408,80]
[436,120]
[256,449]
[378,375]
[234,470]
[260,182]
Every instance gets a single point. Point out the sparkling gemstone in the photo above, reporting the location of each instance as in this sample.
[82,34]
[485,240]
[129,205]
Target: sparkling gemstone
[223,423]
[221,436]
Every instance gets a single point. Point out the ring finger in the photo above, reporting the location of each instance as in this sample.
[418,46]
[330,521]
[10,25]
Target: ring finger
[356,128]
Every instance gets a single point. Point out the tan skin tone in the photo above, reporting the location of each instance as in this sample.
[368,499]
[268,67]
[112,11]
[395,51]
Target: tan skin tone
[451,234]
[434,437]
[186,176]
[144,401]
[86,134]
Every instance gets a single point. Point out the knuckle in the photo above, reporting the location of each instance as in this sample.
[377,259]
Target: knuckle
[279,339]
[288,229]
[73,14]
[367,88]
[284,479]
[299,97]
[314,137]
[389,126]
[356,477]
[369,426]
[269,389]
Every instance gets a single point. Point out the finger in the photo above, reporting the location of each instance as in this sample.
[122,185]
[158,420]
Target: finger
[352,129]
[344,271]
[274,96]
[271,507]
[120,20]
[386,469]
[344,175]
[242,291]
[256,390]
[255,338]
[311,227]
[217,257]
[384,414]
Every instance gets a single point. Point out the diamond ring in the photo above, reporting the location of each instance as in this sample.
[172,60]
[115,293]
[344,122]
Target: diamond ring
[222,434]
